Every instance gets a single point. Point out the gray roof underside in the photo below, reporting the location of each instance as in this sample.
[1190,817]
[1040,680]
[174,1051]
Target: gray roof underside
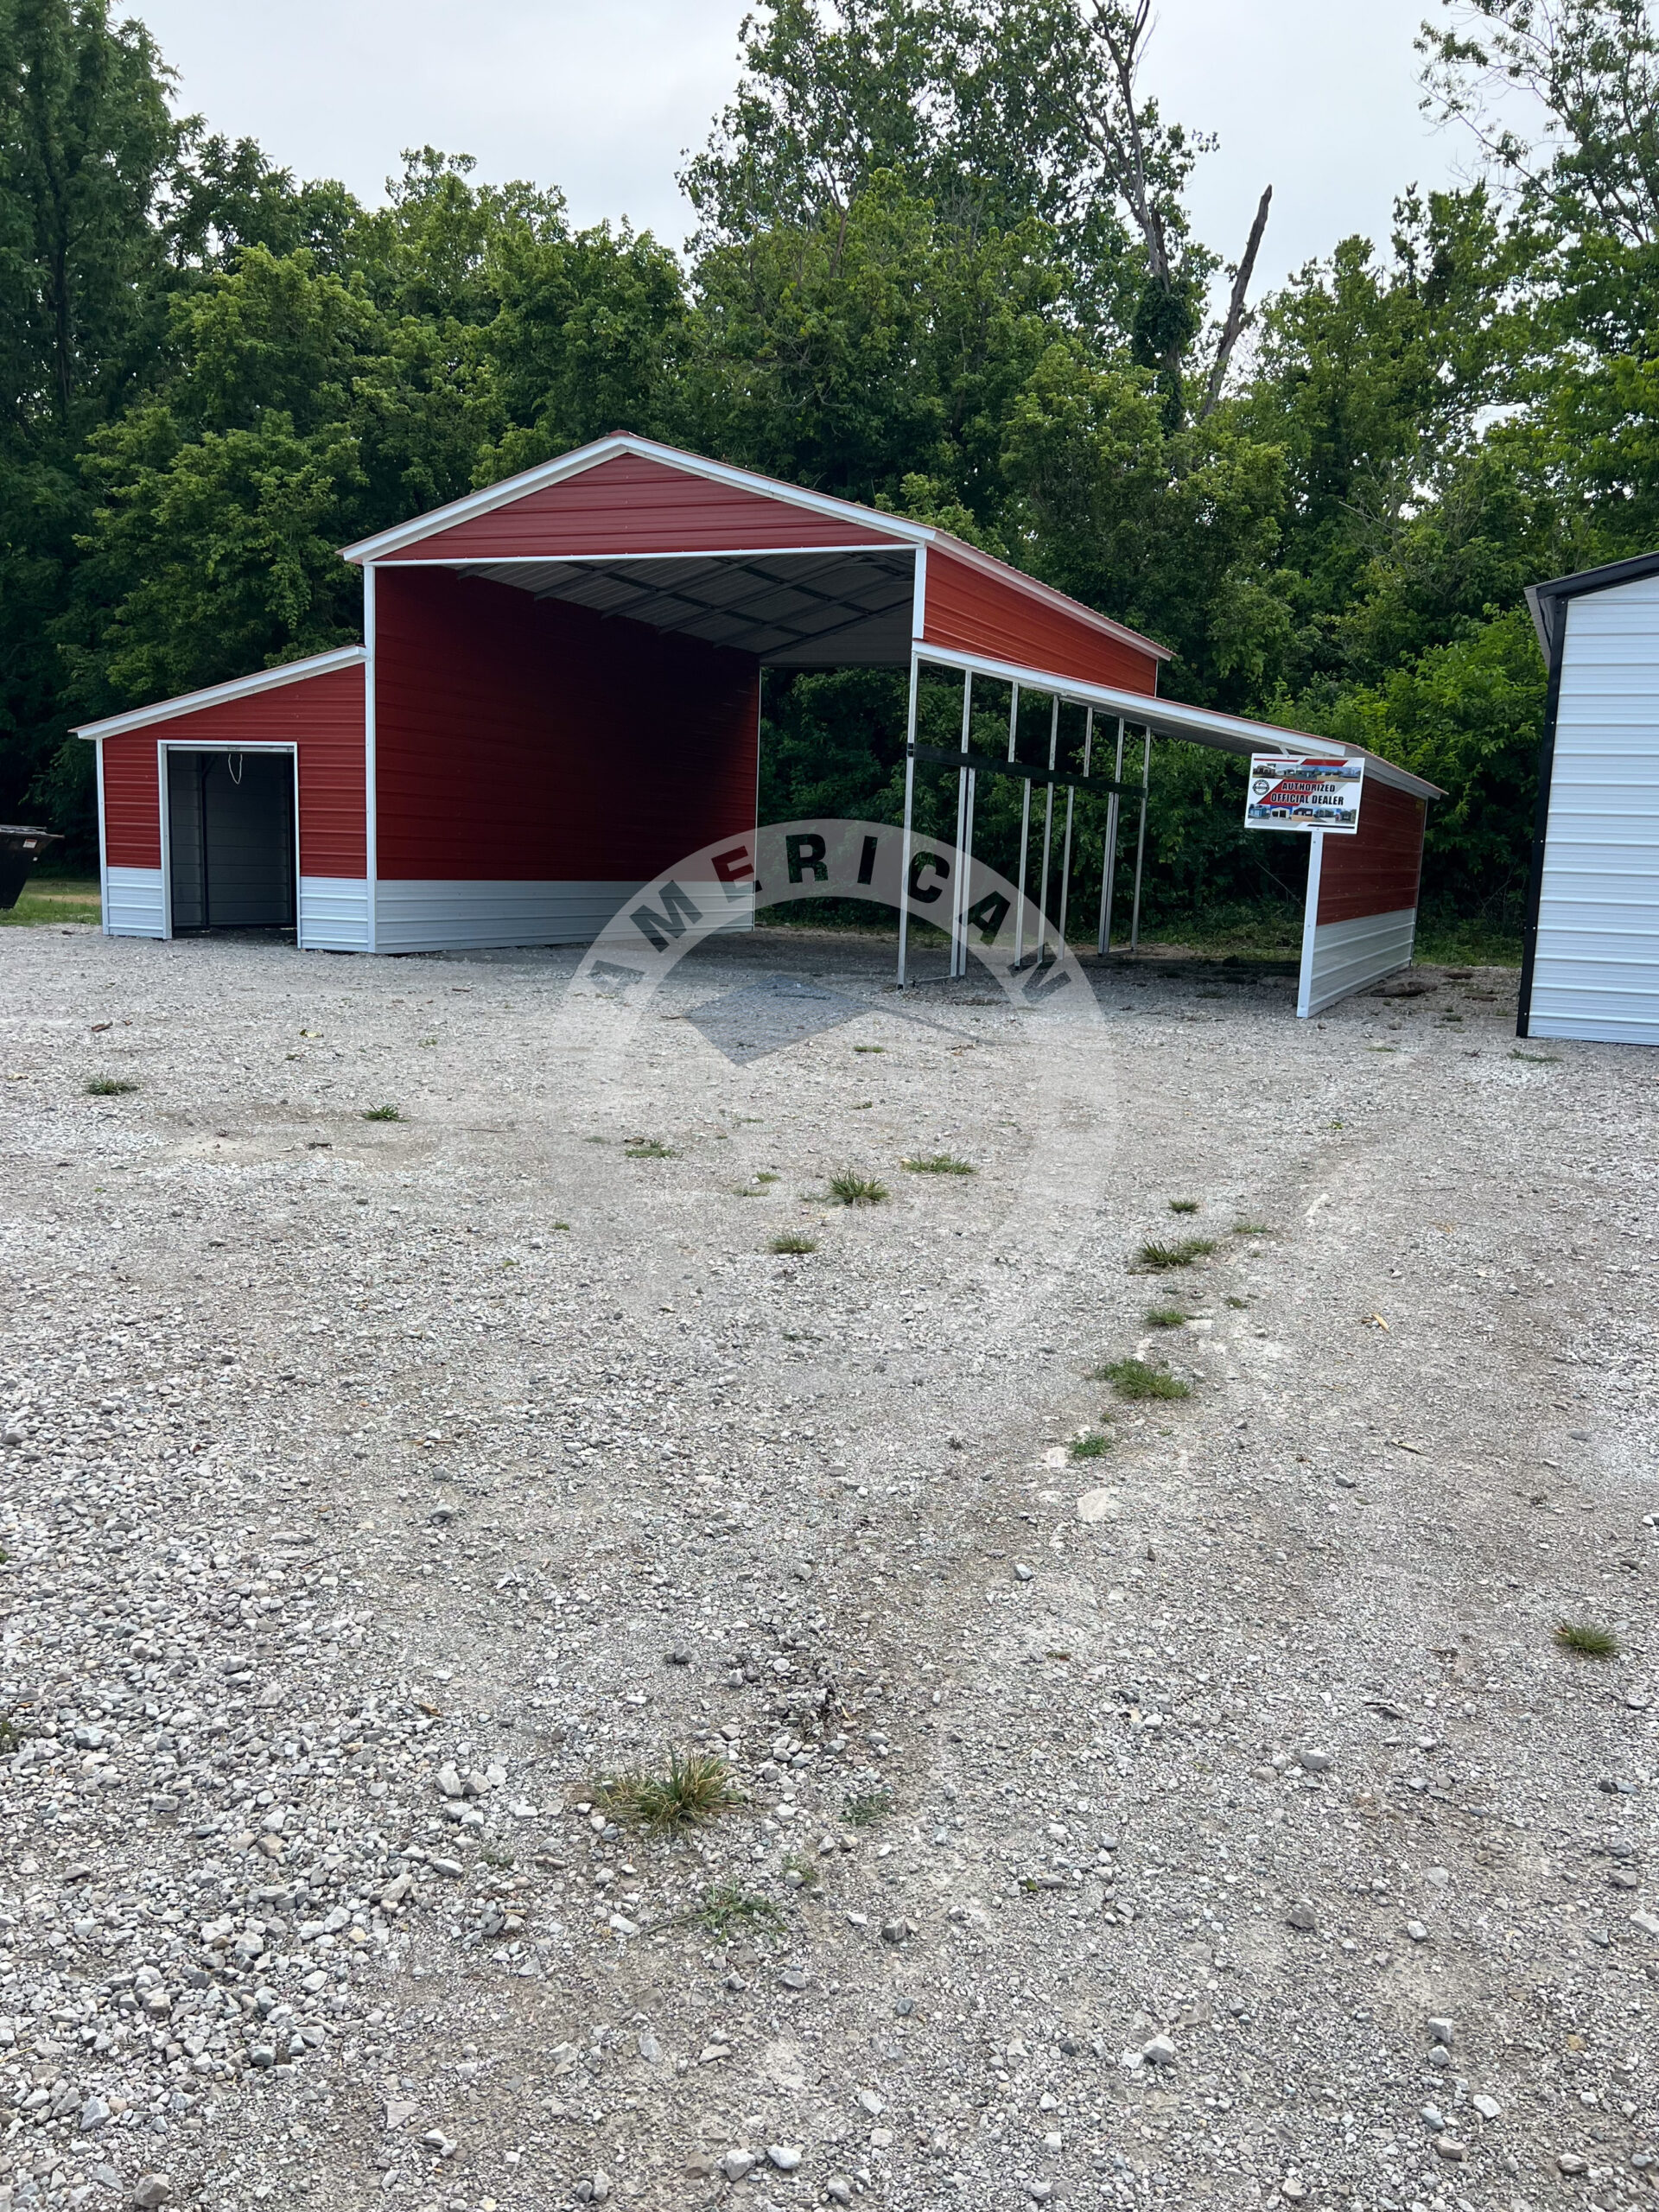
[790,610]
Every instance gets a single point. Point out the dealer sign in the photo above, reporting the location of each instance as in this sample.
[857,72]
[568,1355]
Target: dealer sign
[1289,792]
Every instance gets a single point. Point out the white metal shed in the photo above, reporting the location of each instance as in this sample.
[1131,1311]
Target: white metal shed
[1590,962]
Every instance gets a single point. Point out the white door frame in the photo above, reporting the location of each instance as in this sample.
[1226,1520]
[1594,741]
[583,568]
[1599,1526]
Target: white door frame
[166,745]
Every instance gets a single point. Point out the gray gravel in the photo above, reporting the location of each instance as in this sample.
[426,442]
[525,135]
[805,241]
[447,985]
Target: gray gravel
[1205,1818]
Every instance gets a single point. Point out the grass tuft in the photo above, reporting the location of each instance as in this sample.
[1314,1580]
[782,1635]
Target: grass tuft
[1182,1255]
[1090,1448]
[1133,1379]
[1182,1206]
[648,1148]
[866,1809]
[869,1048]
[792,1241]
[726,1909]
[381,1114]
[1251,1228]
[697,1789]
[1537,1060]
[1587,1640]
[850,1189]
[1166,1317]
[109,1086]
[939,1163]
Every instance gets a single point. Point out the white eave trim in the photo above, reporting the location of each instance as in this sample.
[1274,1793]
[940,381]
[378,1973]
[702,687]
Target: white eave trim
[1172,718]
[585,457]
[222,695]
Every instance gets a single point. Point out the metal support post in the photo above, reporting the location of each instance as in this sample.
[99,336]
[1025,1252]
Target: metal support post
[1070,796]
[1048,828]
[1025,839]
[909,807]
[1141,844]
[960,866]
[1109,856]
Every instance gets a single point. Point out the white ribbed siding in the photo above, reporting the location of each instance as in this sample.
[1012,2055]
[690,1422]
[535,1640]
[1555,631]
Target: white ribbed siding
[1596,971]
[134,902]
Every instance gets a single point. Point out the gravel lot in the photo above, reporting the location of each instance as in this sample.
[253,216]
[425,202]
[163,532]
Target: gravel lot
[1205,1818]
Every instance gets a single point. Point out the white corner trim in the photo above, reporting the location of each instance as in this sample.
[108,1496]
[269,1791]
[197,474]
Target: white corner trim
[371,750]
[219,694]
[102,849]
[547,473]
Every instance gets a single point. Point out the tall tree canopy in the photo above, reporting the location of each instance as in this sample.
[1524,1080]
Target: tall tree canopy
[942,261]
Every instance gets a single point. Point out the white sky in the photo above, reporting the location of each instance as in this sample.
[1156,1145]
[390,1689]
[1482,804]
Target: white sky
[1318,98]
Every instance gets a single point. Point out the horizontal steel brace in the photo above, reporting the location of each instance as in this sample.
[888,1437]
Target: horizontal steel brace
[987,764]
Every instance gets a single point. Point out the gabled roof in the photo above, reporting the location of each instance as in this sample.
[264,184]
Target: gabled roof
[222,695]
[825,524]
[1545,600]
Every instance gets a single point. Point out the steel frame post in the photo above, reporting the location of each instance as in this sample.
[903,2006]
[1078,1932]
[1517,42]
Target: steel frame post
[1065,859]
[1025,834]
[1141,844]
[910,809]
[1109,856]
[1048,828]
[963,865]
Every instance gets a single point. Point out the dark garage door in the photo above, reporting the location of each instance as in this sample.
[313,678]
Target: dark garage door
[231,823]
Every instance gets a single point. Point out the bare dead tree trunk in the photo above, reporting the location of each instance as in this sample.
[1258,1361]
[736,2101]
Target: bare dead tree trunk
[1233,325]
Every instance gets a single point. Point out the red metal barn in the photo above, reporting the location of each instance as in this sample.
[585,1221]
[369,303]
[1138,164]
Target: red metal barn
[558,696]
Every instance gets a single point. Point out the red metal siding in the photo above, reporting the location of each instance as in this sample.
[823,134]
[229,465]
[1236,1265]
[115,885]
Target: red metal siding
[972,612]
[1377,870]
[132,813]
[523,740]
[634,505]
[322,714]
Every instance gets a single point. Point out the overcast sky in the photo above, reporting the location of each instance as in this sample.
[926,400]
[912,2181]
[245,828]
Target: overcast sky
[1318,98]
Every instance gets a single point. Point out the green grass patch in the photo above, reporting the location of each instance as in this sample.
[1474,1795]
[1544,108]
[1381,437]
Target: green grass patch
[1133,1379]
[381,1114]
[793,1241]
[1587,1640]
[869,1048]
[850,1189]
[697,1789]
[1095,1447]
[1253,1228]
[1537,1059]
[939,1163]
[1182,1206]
[728,1909]
[109,1086]
[45,900]
[868,1807]
[1185,1254]
[1466,941]
[648,1148]
[1166,1317]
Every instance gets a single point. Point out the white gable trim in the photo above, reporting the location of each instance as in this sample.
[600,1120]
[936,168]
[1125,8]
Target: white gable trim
[222,695]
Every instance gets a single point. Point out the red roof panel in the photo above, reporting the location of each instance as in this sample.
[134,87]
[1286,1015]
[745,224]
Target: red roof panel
[634,504]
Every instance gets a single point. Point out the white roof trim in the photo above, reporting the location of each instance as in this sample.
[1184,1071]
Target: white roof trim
[221,695]
[1173,718]
[585,457]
